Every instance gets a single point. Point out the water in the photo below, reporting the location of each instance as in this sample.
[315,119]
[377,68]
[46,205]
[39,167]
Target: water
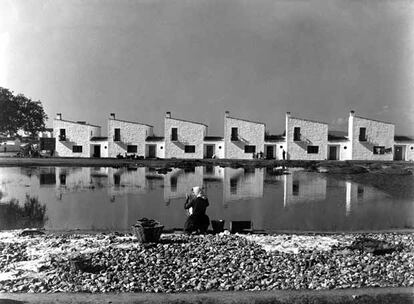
[113,199]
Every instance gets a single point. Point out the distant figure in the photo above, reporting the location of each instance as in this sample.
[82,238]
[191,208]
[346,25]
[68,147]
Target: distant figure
[196,203]
[284,155]
[261,154]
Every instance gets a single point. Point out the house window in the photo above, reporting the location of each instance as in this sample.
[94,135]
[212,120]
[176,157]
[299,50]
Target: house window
[379,150]
[117,136]
[233,185]
[132,149]
[173,182]
[234,134]
[77,149]
[249,149]
[189,149]
[313,149]
[174,134]
[62,134]
[296,134]
[362,134]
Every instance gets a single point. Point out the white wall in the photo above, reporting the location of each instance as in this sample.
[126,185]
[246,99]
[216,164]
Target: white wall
[189,133]
[377,133]
[76,134]
[159,150]
[219,152]
[344,148]
[250,133]
[312,134]
[131,134]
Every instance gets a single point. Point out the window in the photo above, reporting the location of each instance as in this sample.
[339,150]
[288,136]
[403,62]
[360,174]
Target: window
[189,149]
[174,134]
[249,149]
[173,182]
[362,134]
[313,149]
[296,134]
[77,149]
[132,149]
[379,150]
[117,179]
[117,136]
[233,185]
[234,134]
[62,134]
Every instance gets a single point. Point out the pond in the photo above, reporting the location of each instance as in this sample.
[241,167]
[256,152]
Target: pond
[107,199]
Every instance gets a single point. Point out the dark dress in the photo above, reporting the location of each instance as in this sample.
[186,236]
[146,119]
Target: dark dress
[198,221]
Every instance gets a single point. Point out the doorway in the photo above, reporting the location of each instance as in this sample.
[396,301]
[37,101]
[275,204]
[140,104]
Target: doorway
[399,153]
[333,153]
[152,151]
[97,151]
[270,152]
[209,151]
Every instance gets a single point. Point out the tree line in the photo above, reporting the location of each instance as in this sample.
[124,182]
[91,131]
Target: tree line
[18,112]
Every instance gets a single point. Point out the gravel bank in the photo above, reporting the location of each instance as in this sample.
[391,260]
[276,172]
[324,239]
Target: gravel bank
[117,263]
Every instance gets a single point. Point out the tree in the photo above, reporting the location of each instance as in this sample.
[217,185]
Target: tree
[19,112]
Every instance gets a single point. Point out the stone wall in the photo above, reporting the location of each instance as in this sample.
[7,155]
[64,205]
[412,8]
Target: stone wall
[377,134]
[77,134]
[131,134]
[311,134]
[189,133]
[249,133]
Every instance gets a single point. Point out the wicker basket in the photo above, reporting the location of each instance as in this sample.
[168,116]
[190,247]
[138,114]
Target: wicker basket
[147,234]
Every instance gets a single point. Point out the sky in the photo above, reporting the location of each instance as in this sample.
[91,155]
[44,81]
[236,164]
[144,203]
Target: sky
[198,58]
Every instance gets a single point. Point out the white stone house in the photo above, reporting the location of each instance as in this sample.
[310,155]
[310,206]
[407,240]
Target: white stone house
[73,138]
[213,147]
[127,137]
[242,138]
[403,148]
[370,139]
[338,146]
[155,147]
[305,139]
[183,138]
[274,145]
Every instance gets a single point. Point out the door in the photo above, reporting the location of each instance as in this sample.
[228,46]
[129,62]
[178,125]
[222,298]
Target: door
[151,151]
[209,151]
[270,152]
[333,153]
[398,153]
[97,151]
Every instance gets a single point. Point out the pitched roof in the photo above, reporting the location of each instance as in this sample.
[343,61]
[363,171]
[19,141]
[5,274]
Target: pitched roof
[78,123]
[275,138]
[154,138]
[132,122]
[99,138]
[386,122]
[189,121]
[242,119]
[403,138]
[213,138]
[337,136]
[310,120]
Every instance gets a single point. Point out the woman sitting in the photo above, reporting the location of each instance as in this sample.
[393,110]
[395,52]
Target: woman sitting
[197,204]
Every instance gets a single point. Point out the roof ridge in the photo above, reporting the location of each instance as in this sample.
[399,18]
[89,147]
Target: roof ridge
[133,122]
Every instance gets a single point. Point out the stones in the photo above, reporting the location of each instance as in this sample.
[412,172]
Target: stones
[180,263]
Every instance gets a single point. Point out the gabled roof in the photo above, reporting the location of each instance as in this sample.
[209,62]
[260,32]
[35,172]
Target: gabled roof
[131,122]
[386,122]
[189,121]
[256,122]
[403,138]
[213,138]
[274,138]
[310,120]
[78,123]
[154,138]
[99,138]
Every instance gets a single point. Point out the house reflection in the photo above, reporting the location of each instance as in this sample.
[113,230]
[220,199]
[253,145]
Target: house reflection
[179,181]
[242,184]
[300,188]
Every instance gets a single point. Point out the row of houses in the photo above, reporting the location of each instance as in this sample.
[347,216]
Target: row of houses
[303,139]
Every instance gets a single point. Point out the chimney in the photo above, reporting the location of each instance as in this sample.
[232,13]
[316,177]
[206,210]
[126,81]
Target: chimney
[168,115]
[112,115]
[59,116]
[287,114]
[352,113]
[226,114]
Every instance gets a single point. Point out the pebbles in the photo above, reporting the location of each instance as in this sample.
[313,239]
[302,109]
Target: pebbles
[182,263]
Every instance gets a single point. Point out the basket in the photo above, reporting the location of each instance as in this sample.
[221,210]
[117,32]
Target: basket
[147,234]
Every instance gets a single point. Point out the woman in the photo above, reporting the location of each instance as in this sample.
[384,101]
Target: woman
[198,221]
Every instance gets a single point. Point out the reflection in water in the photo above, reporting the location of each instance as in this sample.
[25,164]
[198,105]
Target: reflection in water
[113,198]
[14,216]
